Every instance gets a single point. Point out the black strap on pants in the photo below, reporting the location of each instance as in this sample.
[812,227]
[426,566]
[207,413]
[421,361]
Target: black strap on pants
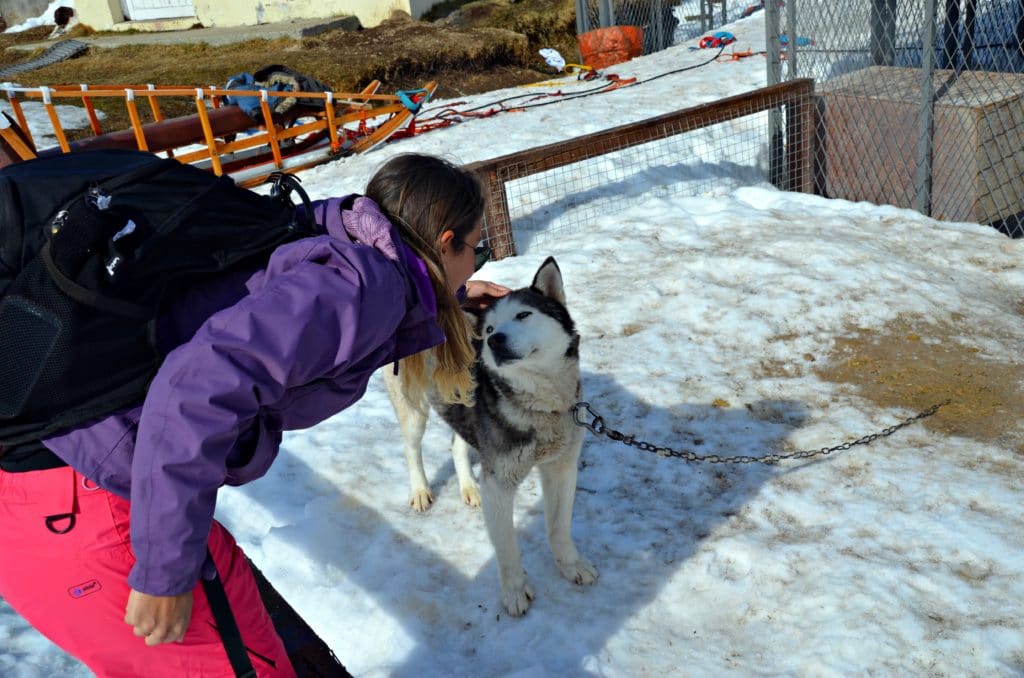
[309,655]
[227,628]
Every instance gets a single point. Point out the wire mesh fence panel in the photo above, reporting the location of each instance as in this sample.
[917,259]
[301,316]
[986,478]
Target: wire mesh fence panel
[542,193]
[697,17]
[920,102]
[664,22]
[726,155]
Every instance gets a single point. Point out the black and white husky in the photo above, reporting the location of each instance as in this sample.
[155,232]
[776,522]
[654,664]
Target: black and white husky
[528,377]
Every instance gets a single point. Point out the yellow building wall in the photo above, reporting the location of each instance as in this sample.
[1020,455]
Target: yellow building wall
[220,13]
[100,14]
[103,15]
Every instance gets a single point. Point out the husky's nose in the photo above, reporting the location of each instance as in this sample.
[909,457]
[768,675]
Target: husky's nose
[498,343]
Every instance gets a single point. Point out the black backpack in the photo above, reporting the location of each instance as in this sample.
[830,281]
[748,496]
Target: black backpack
[89,244]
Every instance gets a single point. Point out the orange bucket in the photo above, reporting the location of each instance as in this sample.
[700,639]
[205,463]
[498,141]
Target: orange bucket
[605,47]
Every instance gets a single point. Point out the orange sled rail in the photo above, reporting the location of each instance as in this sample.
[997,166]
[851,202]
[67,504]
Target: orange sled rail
[220,138]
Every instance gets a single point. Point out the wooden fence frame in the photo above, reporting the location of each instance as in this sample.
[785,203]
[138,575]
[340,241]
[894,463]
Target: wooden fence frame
[794,159]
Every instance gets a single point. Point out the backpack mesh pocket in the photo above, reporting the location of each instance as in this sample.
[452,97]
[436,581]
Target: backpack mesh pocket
[28,335]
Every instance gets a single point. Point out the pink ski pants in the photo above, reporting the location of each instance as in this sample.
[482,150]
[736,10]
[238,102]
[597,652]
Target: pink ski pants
[69,580]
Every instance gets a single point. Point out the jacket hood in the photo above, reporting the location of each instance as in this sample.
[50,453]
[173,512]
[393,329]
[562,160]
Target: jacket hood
[363,221]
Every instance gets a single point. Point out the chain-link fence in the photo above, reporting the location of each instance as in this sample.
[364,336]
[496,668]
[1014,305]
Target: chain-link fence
[920,102]
[664,22]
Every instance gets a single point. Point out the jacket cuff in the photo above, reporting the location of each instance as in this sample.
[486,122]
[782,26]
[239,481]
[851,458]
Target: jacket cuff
[154,585]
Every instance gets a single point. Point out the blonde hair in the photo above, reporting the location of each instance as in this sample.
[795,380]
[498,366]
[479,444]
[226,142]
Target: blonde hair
[424,196]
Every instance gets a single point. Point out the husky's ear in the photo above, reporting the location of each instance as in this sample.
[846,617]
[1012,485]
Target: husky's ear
[475,317]
[574,347]
[548,281]
[473,314]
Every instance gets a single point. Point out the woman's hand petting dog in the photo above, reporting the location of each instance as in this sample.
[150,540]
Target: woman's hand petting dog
[482,293]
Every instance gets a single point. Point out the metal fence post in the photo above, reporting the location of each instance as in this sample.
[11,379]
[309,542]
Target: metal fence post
[606,13]
[951,25]
[792,32]
[776,144]
[883,32]
[582,17]
[970,17]
[1018,30]
[771,39]
[657,41]
[926,116]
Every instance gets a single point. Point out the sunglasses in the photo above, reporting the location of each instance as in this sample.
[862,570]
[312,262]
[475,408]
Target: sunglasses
[481,255]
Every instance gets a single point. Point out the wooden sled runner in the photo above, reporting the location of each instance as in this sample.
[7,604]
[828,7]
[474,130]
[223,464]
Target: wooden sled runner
[218,137]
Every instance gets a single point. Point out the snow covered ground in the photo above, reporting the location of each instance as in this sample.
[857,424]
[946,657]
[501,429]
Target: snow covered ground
[44,19]
[899,558]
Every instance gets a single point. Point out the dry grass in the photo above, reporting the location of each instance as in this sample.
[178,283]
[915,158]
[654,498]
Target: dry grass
[911,363]
[481,51]
[9,57]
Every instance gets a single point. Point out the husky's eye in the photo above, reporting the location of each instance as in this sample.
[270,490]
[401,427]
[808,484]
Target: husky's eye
[488,329]
[524,315]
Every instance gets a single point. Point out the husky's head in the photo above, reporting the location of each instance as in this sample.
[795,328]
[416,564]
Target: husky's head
[531,327]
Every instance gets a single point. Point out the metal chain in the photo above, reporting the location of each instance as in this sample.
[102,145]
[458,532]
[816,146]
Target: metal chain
[597,426]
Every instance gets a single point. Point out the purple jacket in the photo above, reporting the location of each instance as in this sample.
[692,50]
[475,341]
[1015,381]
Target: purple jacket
[278,349]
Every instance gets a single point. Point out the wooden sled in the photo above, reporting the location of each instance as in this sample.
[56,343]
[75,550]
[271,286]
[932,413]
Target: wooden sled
[223,138]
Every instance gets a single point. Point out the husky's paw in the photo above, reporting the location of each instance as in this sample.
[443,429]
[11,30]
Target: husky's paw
[581,571]
[471,495]
[516,599]
[420,499]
